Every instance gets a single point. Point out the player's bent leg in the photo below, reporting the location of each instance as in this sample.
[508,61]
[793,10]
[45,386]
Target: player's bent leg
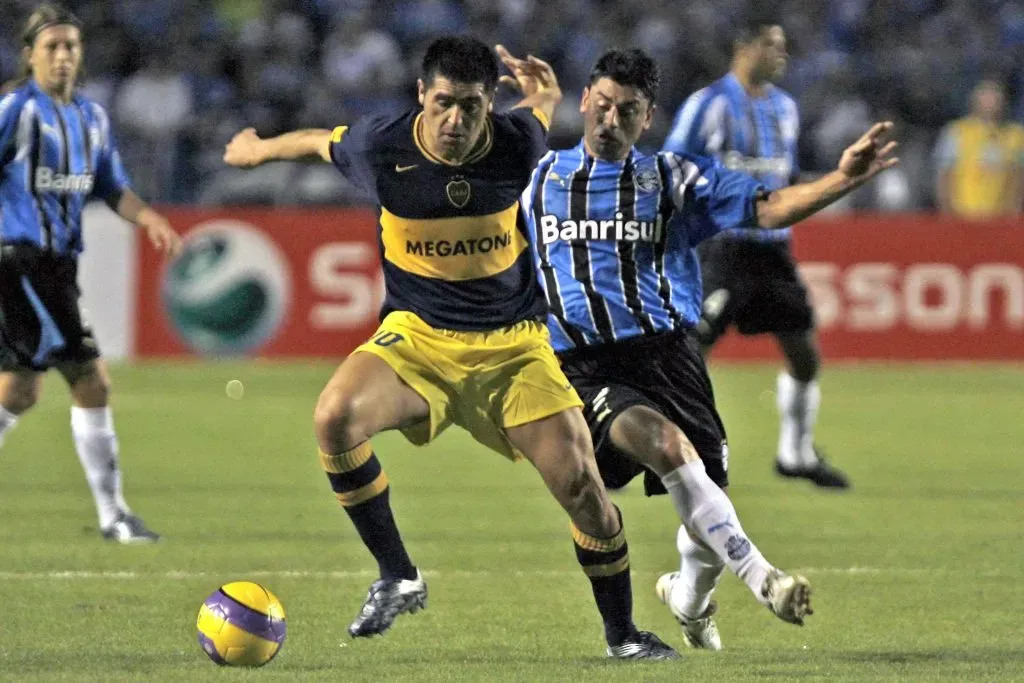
[706,512]
[366,396]
[560,449]
[654,441]
[798,397]
[92,428]
[19,391]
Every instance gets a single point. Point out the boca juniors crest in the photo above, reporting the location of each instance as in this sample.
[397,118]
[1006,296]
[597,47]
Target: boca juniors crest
[458,191]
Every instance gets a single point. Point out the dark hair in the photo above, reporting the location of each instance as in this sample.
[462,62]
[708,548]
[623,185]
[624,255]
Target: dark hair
[44,16]
[462,59]
[633,68]
[751,27]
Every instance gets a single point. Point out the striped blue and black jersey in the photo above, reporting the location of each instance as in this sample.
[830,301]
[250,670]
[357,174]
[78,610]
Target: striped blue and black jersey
[53,158]
[756,135]
[614,241]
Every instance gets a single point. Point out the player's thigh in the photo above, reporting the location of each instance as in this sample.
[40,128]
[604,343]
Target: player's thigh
[366,394]
[516,381]
[652,439]
[604,400]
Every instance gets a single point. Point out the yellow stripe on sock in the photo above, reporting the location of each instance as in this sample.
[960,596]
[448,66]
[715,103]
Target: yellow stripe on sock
[347,461]
[601,545]
[363,493]
[617,567]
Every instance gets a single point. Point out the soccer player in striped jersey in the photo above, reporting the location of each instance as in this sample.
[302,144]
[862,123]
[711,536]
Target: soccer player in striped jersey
[56,152]
[615,232]
[462,340]
[750,277]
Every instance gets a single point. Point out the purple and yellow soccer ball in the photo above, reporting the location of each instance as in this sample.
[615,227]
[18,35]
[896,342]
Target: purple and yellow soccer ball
[241,624]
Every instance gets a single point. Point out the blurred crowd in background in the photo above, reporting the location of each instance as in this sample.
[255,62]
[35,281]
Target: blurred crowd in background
[181,76]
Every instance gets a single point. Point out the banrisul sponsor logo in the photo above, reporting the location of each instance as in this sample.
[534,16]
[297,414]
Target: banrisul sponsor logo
[63,183]
[780,166]
[620,229]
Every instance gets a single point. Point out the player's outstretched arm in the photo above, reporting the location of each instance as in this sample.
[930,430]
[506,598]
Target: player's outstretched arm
[159,231]
[248,149]
[861,161]
[535,79]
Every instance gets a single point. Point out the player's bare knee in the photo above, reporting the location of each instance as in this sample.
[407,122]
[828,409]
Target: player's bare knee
[20,397]
[670,448]
[658,443]
[91,389]
[337,419]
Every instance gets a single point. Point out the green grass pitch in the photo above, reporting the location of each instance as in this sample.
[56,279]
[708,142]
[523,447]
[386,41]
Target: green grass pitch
[917,571]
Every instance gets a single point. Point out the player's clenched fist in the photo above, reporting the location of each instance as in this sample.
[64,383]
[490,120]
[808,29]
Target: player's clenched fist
[245,149]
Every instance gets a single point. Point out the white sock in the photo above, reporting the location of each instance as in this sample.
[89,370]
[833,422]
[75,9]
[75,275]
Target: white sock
[7,422]
[96,443]
[709,514]
[699,571]
[798,411]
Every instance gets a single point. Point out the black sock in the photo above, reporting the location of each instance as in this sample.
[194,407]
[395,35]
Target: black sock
[605,561]
[362,489]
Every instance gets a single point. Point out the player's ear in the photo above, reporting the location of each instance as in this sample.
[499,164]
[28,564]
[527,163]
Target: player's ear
[421,89]
[585,100]
[649,118]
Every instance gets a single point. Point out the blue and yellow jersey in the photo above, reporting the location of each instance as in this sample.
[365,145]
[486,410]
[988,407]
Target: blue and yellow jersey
[53,158]
[453,240]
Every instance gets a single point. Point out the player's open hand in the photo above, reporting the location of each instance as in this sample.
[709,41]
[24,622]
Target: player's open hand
[245,149]
[531,76]
[871,154]
[161,235]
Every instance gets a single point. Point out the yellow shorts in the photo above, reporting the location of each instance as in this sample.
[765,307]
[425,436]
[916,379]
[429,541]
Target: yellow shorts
[484,382]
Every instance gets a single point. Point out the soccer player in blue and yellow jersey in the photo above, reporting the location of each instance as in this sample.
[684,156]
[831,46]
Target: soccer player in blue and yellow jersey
[57,151]
[462,339]
[615,232]
[750,277]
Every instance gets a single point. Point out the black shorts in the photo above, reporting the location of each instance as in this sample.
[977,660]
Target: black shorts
[40,322]
[664,372]
[753,285]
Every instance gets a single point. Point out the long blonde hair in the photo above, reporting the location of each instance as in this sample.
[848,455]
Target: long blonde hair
[45,16]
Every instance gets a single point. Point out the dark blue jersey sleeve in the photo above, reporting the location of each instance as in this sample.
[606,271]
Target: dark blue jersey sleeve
[710,198]
[353,148]
[532,125]
[111,176]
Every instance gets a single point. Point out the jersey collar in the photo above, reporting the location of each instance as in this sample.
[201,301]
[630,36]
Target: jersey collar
[483,145]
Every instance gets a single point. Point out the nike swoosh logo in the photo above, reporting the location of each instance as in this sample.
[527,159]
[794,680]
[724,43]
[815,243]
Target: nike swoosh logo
[403,169]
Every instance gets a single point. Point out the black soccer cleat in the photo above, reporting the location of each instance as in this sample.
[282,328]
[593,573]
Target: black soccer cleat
[385,600]
[642,645]
[128,529]
[822,474]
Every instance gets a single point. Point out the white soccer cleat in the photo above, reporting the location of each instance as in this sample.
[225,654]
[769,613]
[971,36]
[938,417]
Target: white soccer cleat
[699,633]
[788,597]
